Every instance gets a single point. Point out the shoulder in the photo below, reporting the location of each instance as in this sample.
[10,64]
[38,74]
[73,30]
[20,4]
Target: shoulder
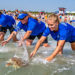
[7,16]
[47,30]
[62,25]
[19,23]
[2,16]
[42,22]
[31,19]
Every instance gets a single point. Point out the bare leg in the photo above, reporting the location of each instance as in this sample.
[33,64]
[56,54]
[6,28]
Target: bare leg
[2,36]
[73,46]
[14,38]
[29,42]
[46,45]
[61,52]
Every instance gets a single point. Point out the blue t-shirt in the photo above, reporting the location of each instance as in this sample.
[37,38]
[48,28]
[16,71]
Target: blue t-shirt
[66,32]
[6,20]
[10,21]
[3,20]
[32,25]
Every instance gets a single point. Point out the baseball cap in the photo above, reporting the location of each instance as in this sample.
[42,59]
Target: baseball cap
[21,16]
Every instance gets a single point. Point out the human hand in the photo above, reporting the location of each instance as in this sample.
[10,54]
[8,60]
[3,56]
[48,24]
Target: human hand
[4,43]
[32,54]
[48,59]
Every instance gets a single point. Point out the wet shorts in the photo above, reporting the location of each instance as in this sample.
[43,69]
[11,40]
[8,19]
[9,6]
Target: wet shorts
[4,29]
[11,29]
[72,41]
[38,36]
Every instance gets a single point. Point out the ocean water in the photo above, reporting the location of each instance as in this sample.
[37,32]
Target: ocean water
[60,65]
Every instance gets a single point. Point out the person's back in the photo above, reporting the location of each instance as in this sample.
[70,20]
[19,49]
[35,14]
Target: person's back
[3,21]
[10,20]
[39,26]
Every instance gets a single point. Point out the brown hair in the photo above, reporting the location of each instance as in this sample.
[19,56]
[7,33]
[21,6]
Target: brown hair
[30,15]
[53,17]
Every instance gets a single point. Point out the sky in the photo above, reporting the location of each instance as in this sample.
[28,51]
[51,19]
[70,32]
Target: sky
[37,5]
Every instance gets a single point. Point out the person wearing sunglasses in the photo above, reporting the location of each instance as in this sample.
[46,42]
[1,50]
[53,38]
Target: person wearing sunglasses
[31,26]
[61,32]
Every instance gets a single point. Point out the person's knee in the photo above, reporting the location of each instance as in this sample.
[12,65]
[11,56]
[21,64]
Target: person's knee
[28,43]
[46,45]
[73,48]
[1,39]
[60,53]
[15,39]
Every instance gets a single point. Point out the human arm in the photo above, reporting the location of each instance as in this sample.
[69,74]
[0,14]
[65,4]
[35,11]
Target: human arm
[59,47]
[9,38]
[60,52]
[37,45]
[26,35]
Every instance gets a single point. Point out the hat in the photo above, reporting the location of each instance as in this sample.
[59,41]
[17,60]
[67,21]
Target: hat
[21,16]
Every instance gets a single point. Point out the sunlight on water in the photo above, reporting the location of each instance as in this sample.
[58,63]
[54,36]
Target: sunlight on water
[38,60]
[25,53]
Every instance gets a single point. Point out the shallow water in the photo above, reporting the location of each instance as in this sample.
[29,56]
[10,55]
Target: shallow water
[60,65]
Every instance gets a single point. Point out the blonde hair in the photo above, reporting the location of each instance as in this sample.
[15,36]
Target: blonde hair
[54,17]
[30,15]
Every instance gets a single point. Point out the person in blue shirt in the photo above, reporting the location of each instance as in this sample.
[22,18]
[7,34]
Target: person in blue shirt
[31,26]
[61,32]
[6,22]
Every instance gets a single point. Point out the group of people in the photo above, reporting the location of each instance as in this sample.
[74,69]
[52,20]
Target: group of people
[60,31]
[66,18]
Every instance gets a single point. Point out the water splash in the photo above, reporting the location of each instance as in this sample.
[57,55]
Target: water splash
[60,70]
[25,56]
[39,60]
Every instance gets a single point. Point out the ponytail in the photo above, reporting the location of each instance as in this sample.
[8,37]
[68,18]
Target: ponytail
[30,15]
